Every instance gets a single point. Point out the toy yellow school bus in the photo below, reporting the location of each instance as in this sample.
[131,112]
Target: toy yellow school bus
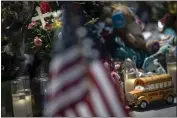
[149,89]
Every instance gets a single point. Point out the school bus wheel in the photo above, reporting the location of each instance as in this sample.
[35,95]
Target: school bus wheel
[170,99]
[143,104]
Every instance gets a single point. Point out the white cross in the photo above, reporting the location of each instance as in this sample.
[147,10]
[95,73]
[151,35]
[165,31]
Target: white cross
[42,16]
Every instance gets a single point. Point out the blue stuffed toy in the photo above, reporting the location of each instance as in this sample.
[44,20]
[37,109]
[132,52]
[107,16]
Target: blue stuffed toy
[118,20]
[122,52]
[152,64]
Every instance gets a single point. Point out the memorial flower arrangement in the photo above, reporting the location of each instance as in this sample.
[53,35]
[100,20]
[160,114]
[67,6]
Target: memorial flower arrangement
[40,38]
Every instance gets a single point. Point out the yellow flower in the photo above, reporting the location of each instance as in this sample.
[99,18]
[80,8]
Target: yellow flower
[172,7]
[56,24]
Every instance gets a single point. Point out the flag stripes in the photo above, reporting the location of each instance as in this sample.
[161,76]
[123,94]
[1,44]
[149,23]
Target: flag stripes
[79,88]
[67,81]
[76,93]
[107,90]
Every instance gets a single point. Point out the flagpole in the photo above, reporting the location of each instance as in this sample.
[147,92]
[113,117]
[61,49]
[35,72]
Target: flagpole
[71,23]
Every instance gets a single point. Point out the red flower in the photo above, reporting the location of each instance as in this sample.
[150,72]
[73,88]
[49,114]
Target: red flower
[37,41]
[45,7]
[48,26]
[32,25]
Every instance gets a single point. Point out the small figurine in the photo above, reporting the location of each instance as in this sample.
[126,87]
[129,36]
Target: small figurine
[150,89]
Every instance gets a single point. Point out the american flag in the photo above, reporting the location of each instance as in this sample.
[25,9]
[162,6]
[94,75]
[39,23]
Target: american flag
[79,87]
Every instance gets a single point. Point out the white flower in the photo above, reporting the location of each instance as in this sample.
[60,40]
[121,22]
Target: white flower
[56,14]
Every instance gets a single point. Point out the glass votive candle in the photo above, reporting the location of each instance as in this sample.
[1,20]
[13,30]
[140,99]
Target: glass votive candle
[171,68]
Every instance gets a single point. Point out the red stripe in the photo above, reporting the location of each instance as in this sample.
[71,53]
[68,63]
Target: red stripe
[75,111]
[70,64]
[61,114]
[90,106]
[117,92]
[67,87]
[94,81]
[65,67]
[71,105]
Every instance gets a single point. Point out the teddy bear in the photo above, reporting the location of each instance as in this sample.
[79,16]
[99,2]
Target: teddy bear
[122,34]
[126,26]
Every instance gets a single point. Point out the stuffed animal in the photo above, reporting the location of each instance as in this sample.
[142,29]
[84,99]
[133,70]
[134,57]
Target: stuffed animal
[152,46]
[168,24]
[122,52]
[175,52]
[127,27]
[122,35]
[152,63]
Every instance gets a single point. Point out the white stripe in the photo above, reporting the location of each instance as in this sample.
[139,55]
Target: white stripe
[64,58]
[97,102]
[83,110]
[70,113]
[66,77]
[67,97]
[107,88]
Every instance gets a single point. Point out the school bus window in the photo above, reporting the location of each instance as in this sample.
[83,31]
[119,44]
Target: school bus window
[151,87]
[157,86]
[165,84]
[147,87]
[169,83]
[161,85]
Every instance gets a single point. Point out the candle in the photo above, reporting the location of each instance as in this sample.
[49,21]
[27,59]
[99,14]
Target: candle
[129,82]
[3,111]
[19,106]
[122,92]
[29,105]
[22,100]
[21,97]
[129,85]
[171,67]
[28,101]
